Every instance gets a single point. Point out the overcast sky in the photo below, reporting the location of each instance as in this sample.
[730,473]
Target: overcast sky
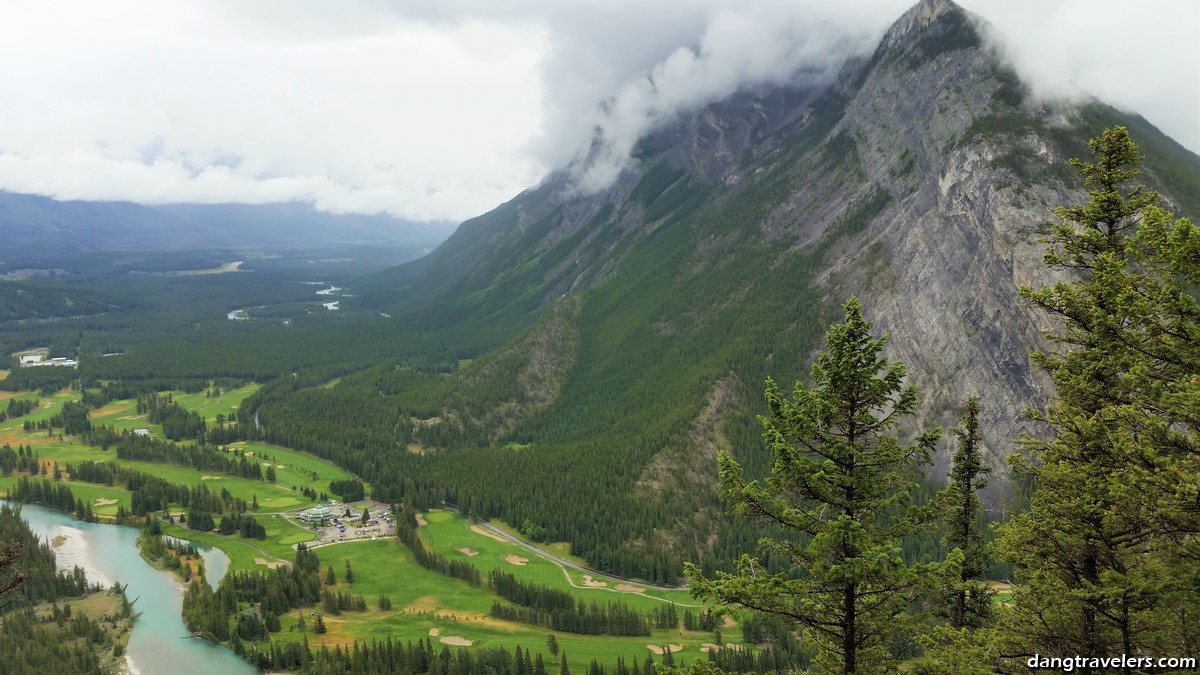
[442,110]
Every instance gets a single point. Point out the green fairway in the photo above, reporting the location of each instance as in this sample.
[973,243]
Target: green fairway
[294,468]
[244,554]
[51,406]
[271,498]
[120,415]
[104,500]
[425,601]
[446,532]
[561,549]
[298,470]
[209,407]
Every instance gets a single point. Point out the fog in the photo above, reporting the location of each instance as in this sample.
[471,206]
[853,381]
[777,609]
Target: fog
[442,110]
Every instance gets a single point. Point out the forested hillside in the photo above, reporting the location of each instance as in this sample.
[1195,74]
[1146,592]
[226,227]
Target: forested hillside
[920,180]
[572,363]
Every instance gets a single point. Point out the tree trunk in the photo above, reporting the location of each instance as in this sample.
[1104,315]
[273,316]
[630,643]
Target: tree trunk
[850,637]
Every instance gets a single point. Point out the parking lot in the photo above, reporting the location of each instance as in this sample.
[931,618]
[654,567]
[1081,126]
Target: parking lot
[343,527]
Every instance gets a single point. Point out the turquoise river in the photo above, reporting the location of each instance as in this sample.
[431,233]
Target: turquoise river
[160,643]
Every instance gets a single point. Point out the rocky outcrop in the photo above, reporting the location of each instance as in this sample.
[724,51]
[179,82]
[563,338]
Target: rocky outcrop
[919,180]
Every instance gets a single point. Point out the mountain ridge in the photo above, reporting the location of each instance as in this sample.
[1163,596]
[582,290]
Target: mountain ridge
[918,180]
[34,223]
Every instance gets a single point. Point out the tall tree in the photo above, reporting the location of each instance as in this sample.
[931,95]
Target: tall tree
[968,603]
[1096,556]
[841,485]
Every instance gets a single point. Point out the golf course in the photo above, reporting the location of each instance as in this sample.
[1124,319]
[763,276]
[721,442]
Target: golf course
[420,603]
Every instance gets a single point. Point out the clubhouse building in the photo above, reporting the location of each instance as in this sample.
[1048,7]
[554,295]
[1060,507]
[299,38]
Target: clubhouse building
[321,513]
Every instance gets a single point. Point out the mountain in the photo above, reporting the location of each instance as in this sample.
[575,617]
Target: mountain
[33,224]
[585,355]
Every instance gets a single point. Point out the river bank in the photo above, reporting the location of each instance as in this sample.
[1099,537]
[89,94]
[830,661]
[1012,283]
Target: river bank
[159,643]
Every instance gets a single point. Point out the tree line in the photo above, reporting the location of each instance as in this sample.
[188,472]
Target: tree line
[1102,557]
[406,534]
[558,610]
[200,456]
[149,494]
[19,407]
[177,422]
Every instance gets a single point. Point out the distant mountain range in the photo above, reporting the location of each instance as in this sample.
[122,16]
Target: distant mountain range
[33,224]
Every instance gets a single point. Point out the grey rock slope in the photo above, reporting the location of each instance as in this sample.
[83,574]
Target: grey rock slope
[919,180]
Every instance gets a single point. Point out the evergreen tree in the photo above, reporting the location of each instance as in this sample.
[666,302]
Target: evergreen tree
[349,573]
[1097,557]
[968,603]
[842,479]
[552,645]
[330,578]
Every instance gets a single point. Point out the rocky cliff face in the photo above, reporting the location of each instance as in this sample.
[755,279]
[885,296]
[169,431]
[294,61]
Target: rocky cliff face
[918,180]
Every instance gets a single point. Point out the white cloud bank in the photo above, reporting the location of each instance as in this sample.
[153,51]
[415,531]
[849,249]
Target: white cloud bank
[442,110]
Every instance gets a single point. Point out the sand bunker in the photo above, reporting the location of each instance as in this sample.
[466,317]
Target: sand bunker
[210,478]
[467,551]
[592,583]
[709,647]
[278,466]
[658,650]
[456,641]
[266,464]
[479,530]
[434,632]
[249,453]
[516,559]
[729,622]
[630,588]
[105,501]
[269,565]
[421,522]
[734,647]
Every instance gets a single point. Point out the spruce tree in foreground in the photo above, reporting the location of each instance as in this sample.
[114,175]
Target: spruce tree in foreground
[841,484]
[968,604]
[1107,551]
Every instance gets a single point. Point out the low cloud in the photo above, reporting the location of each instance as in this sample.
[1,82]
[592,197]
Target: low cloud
[372,113]
[442,110]
[1138,57]
[743,46]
